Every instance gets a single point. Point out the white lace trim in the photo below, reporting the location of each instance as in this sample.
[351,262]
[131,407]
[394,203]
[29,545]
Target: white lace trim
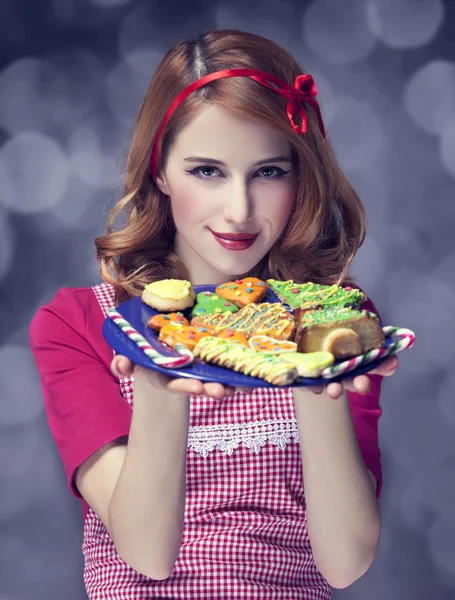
[254,435]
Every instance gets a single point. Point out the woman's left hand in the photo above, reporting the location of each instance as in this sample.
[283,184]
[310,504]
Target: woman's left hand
[360,384]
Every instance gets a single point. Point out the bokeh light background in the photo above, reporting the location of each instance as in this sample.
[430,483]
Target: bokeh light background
[72,75]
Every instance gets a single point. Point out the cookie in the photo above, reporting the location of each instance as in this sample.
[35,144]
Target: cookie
[310,364]
[168,295]
[160,320]
[174,333]
[208,303]
[312,295]
[233,336]
[243,291]
[264,343]
[342,331]
[232,355]
[270,319]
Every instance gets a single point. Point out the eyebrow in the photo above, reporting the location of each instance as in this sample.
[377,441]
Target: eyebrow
[214,161]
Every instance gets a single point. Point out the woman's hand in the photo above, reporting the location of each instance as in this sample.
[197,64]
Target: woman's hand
[360,384]
[123,367]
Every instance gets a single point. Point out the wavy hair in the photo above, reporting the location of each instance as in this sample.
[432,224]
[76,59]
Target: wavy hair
[328,223]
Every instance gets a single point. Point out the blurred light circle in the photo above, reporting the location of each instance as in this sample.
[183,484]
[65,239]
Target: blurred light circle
[93,167]
[21,390]
[447,147]
[405,23]
[73,212]
[338,31]
[25,84]
[430,96]
[6,244]
[38,94]
[33,173]
[125,90]
[275,23]
[356,133]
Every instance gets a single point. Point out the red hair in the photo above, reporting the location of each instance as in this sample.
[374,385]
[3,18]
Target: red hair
[328,222]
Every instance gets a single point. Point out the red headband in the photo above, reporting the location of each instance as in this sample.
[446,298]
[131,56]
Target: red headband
[304,90]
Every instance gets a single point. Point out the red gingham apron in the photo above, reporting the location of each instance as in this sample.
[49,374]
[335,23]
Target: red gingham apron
[245,534]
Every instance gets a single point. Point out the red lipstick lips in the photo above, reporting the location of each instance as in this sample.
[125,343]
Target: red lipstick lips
[235,241]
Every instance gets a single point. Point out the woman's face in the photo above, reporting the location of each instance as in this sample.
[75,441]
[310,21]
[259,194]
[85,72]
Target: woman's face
[232,187]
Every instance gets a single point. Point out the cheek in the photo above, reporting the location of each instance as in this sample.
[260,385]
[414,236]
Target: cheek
[187,206]
[277,205]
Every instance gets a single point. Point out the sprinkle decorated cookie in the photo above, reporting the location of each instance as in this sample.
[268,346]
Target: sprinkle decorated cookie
[308,295]
[264,343]
[241,292]
[208,303]
[311,364]
[160,320]
[233,336]
[175,333]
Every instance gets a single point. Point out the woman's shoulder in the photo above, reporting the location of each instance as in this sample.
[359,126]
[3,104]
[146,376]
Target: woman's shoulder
[80,308]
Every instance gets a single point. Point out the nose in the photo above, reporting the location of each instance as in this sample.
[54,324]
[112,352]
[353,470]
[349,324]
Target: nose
[239,207]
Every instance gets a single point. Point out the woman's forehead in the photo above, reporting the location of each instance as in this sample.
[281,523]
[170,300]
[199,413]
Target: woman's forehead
[215,131]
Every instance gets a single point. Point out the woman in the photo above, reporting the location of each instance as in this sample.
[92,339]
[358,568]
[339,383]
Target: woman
[195,490]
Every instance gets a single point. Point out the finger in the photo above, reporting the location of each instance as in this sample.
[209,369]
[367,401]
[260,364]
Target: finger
[121,366]
[216,390]
[317,389]
[186,386]
[387,368]
[335,389]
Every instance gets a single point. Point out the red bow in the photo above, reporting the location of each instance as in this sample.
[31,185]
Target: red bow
[304,90]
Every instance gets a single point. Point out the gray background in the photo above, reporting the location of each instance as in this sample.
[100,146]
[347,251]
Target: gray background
[72,75]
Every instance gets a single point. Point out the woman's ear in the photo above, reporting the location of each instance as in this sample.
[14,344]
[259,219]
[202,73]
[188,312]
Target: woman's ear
[161,184]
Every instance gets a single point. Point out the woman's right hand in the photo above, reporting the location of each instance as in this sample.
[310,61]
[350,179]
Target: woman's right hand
[123,367]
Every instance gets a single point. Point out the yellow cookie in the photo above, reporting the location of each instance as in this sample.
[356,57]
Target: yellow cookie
[310,364]
[169,295]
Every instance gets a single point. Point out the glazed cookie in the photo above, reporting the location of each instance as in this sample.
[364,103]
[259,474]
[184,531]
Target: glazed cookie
[310,364]
[264,343]
[169,295]
[266,318]
[160,320]
[312,295]
[232,355]
[233,336]
[208,303]
[243,291]
[174,333]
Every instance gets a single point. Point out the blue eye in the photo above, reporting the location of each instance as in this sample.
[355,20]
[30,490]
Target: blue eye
[198,172]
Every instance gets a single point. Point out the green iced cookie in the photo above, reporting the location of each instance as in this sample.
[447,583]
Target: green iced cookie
[308,294]
[208,303]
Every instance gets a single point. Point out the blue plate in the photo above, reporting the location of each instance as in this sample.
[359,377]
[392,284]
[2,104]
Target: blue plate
[137,313]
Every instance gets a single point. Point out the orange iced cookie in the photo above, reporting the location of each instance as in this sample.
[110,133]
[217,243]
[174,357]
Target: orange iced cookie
[264,343]
[233,336]
[174,333]
[243,291]
[160,320]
